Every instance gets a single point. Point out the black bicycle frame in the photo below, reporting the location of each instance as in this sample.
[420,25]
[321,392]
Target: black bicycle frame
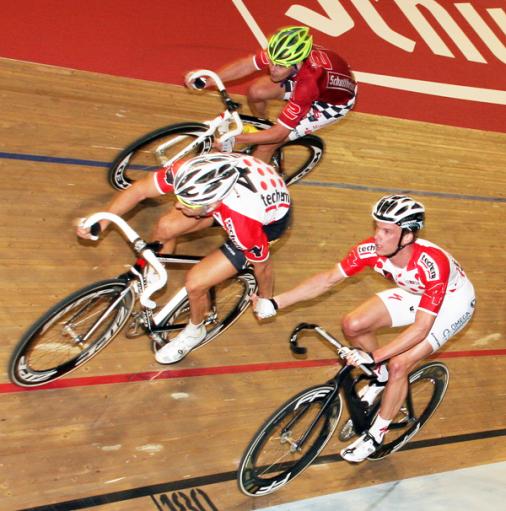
[360,412]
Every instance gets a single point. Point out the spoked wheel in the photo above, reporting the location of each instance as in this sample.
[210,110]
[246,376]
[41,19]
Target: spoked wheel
[289,441]
[427,387]
[228,301]
[154,150]
[71,333]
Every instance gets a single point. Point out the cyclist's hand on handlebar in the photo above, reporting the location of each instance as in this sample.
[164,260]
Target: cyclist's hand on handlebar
[90,233]
[356,357]
[197,83]
[225,147]
[264,307]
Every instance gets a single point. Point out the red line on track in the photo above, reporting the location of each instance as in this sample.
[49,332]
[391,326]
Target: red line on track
[165,374]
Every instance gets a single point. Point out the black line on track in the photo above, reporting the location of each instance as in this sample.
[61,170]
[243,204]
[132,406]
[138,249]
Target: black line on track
[146,491]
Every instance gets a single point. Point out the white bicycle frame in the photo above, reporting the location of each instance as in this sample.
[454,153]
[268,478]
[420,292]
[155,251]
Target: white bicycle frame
[140,247]
[221,123]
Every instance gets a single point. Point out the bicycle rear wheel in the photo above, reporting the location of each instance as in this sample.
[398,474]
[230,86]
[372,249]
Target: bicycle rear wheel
[297,158]
[293,159]
[427,387]
[153,150]
[71,332]
[276,454]
[228,301]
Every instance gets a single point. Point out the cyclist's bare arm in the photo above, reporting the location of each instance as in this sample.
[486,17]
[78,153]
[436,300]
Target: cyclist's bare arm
[411,336]
[274,135]
[265,278]
[234,71]
[310,288]
[126,200]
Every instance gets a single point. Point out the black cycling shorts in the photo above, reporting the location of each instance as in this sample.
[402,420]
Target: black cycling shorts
[273,232]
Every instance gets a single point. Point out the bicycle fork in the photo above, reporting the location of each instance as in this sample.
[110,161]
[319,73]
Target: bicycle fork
[80,340]
[296,446]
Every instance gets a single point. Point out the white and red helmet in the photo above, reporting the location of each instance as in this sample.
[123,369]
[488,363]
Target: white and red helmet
[206,179]
[400,210]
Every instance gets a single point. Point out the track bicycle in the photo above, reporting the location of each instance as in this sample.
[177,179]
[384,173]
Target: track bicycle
[294,435]
[81,325]
[161,147]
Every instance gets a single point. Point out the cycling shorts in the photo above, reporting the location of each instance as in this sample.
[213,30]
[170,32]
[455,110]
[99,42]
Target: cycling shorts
[456,311]
[320,114]
[273,232]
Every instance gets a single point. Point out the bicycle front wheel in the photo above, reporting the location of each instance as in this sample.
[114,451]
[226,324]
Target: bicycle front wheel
[289,441]
[153,150]
[427,387]
[71,333]
[228,301]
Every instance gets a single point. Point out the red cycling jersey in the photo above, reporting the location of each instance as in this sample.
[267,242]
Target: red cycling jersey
[324,76]
[431,271]
[259,198]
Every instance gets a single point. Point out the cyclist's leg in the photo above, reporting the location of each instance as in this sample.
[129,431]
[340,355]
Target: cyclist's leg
[393,398]
[393,307]
[456,311]
[265,152]
[399,368]
[212,270]
[260,92]
[360,325]
[173,224]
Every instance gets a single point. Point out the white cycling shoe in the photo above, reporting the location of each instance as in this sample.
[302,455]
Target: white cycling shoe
[361,448]
[189,338]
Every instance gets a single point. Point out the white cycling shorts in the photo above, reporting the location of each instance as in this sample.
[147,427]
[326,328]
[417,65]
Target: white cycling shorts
[320,114]
[455,313]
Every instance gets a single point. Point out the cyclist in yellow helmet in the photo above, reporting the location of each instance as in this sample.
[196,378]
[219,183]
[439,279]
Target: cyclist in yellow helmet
[317,83]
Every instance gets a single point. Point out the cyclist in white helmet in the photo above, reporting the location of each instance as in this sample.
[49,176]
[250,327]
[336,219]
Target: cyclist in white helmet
[317,83]
[240,193]
[433,298]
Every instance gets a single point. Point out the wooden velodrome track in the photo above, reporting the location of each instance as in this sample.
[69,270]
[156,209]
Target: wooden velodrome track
[124,433]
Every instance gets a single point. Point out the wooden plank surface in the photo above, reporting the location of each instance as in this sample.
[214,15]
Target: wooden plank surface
[75,443]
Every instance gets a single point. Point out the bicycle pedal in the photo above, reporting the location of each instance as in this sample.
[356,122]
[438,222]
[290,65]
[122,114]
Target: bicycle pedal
[347,431]
[158,340]
[212,317]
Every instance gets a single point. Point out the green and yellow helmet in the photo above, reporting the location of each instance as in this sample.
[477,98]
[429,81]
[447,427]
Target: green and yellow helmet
[290,45]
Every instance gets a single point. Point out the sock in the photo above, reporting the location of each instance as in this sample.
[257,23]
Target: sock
[194,329]
[379,428]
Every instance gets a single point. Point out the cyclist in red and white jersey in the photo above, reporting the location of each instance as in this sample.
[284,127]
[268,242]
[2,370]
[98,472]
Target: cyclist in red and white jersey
[240,193]
[433,298]
[317,83]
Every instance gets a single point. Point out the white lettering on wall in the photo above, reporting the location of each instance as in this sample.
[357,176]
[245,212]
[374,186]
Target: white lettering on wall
[336,22]
[430,36]
[380,27]
[483,30]
[499,17]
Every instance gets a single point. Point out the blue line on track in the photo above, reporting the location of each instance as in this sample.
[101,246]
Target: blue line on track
[322,184]
[53,159]
[407,191]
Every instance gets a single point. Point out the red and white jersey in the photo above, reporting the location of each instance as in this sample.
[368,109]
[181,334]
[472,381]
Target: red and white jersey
[259,198]
[431,272]
[324,76]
